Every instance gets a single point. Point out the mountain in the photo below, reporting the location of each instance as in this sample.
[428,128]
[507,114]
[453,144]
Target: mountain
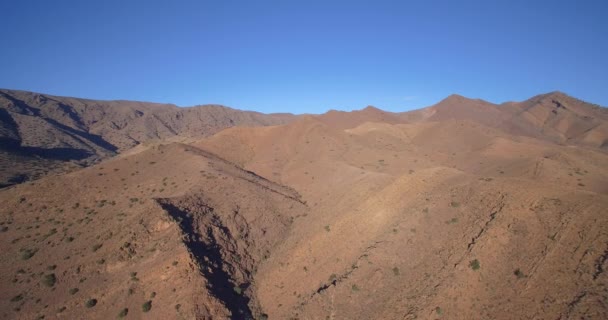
[171,224]
[553,116]
[40,133]
[462,210]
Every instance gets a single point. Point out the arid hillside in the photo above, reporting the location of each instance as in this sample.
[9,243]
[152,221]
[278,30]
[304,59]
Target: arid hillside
[442,219]
[41,133]
[463,210]
[554,116]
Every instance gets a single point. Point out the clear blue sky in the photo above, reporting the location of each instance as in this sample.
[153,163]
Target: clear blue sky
[305,56]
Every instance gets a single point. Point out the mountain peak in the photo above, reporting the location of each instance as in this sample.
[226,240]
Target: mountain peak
[453,99]
[371,108]
[551,95]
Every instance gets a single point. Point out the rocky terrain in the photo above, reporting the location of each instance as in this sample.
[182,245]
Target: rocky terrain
[462,210]
[40,133]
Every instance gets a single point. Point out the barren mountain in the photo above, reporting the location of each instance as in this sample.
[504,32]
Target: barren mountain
[463,210]
[40,133]
[553,116]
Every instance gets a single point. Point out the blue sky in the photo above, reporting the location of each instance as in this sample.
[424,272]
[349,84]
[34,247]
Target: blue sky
[305,56]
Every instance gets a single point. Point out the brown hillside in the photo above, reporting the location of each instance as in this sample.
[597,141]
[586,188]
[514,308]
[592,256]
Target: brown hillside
[42,132]
[450,213]
[555,117]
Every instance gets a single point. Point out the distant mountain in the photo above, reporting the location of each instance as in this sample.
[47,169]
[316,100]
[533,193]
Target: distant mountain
[347,120]
[40,132]
[554,116]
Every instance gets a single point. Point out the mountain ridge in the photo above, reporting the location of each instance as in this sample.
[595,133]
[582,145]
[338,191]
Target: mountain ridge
[359,215]
[44,132]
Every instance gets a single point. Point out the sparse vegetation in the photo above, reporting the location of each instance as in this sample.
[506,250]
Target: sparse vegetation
[134,276]
[26,254]
[91,303]
[123,313]
[147,306]
[237,290]
[17,298]
[452,221]
[49,280]
[234,230]
[474,264]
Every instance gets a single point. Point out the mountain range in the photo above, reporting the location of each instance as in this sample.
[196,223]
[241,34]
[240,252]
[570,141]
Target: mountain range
[462,210]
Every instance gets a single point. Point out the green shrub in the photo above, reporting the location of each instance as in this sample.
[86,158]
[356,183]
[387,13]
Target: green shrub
[91,303]
[452,221]
[28,253]
[134,276]
[17,298]
[49,280]
[474,264]
[396,271]
[237,290]
[73,291]
[146,306]
[123,313]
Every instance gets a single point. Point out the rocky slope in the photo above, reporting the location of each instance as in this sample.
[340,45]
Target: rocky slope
[121,238]
[453,212]
[40,133]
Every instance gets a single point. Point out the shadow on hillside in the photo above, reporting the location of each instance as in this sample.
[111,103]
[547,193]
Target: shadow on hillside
[202,244]
[61,154]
